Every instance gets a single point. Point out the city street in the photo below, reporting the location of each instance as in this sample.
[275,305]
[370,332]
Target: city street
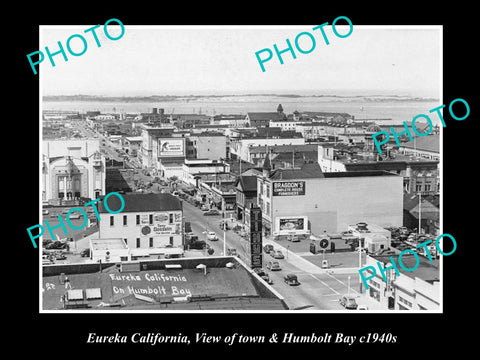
[318,290]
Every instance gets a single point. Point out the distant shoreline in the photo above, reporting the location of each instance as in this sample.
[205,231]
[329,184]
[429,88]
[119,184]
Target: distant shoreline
[163,98]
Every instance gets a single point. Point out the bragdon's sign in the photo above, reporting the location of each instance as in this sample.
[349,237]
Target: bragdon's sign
[288,188]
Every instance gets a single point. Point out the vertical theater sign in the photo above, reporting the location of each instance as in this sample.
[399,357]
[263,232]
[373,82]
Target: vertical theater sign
[254,222]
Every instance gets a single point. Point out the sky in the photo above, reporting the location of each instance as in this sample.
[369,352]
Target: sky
[182,60]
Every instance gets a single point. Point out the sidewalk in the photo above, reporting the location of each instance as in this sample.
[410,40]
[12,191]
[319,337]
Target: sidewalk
[307,266]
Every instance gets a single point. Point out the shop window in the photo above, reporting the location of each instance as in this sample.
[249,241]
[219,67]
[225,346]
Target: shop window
[150,219]
[150,242]
[170,220]
[138,242]
[112,221]
[124,220]
[137,219]
[171,240]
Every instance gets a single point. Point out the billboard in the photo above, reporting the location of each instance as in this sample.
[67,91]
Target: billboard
[292,224]
[288,188]
[162,224]
[171,147]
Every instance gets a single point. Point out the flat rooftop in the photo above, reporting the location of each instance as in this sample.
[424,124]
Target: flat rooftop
[159,285]
[426,270]
[108,244]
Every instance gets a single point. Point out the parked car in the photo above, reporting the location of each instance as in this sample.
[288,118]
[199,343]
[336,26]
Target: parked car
[85,252]
[291,279]
[232,252]
[211,212]
[267,248]
[60,256]
[273,266]
[348,302]
[260,272]
[276,254]
[46,242]
[197,244]
[45,212]
[173,256]
[212,236]
[204,208]
[56,245]
[293,238]
[362,307]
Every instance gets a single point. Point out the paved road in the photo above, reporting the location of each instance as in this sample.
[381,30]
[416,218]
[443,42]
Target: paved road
[318,291]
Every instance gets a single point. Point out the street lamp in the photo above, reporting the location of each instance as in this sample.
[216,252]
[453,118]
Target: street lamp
[348,291]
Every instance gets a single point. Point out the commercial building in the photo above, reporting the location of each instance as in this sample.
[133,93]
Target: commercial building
[240,147]
[72,169]
[246,194]
[305,200]
[194,169]
[151,222]
[133,145]
[419,175]
[411,290]
[188,284]
[160,145]
[427,147]
[374,238]
[207,145]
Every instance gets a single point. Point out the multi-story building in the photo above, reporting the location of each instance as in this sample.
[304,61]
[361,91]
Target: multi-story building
[207,145]
[148,221]
[246,194]
[72,169]
[304,200]
[419,175]
[405,290]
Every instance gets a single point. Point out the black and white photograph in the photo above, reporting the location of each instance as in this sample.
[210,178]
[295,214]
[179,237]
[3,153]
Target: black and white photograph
[226,182]
[274,182]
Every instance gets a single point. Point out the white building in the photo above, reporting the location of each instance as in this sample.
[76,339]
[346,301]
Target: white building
[415,290]
[72,169]
[193,168]
[375,237]
[150,222]
[109,250]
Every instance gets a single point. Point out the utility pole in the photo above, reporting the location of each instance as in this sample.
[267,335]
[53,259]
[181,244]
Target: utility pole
[419,212]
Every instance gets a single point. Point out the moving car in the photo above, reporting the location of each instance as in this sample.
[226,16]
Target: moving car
[212,236]
[260,272]
[348,302]
[267,248]
[291,279]
[276,254]
[211,212]
[273,266]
